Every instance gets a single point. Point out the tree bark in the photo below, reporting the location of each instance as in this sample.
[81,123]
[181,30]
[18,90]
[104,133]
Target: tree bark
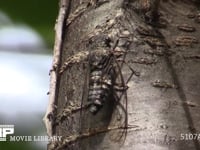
[159,41]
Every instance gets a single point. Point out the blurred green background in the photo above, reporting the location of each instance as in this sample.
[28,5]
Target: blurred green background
[39,15]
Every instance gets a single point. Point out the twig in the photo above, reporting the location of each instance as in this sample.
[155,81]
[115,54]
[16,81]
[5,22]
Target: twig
[49,116]
[73,138]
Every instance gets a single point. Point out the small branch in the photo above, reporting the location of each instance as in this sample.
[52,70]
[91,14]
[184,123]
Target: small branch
[67,112]
[49,116]
[92,132]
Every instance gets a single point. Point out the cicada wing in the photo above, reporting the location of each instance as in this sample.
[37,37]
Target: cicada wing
[84,98]
[120,117]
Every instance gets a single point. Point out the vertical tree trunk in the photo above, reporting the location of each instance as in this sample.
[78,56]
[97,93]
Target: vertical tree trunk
[159,41]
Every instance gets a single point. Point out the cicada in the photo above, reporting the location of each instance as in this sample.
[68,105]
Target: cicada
[105,93]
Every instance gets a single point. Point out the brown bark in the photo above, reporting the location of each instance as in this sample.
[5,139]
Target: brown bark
[160,40]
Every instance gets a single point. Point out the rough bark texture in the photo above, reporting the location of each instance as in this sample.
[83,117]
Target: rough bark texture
[160,39]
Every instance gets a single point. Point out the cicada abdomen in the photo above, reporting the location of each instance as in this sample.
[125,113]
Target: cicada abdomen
[101,79]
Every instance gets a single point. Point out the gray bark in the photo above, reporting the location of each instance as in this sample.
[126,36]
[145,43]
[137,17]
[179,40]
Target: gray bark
[160,40]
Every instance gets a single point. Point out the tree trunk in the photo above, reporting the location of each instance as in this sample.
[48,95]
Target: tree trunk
[159,62]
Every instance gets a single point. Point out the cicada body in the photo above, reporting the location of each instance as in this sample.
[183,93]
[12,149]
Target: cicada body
[101,80]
